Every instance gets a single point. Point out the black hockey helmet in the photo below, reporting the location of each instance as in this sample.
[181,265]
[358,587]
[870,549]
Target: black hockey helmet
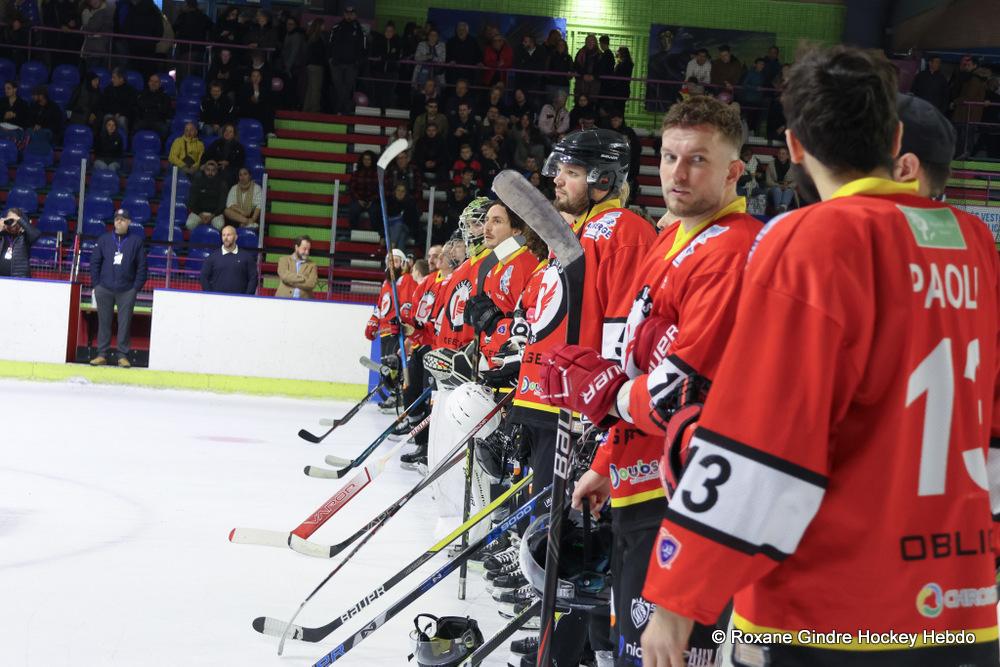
[444,641]
[584,561]
[605,155]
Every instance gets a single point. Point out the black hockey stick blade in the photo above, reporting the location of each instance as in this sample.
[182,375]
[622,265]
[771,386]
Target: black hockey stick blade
[531,205]
[316,439]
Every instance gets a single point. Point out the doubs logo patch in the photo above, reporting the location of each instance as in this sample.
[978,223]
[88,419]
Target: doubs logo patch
[667,548]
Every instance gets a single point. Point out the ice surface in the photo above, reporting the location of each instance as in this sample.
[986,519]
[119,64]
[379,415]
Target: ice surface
[116,504]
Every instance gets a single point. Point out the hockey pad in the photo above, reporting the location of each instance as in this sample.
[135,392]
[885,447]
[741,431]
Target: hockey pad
[450,368]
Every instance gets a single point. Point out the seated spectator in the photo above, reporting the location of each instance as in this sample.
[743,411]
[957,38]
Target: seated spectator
[486,127]
[216,110]
[45,116]
[402,170]
[227,270]
[244,201]
[553,120]
[750,182]
[85,103]
[441,230]
[501,140]
[543,184]
[780,186]
[495,97]
[466,160]
[699,67]
[430,52]
[118,100]
[228,153]
[296,272]
[207,197]
[431,155]
[527,142]
[153,108]
[588,120]
[259,63]
[491,166]
[461,94]
[14,112]
[430,116]
[403,217]
[226,71]
[581,107]
[364,192]
[464,127]
[727,70]
[616,122]
[457,200]
[254,101]
[17,235]
[187,149]
[109,147]
[117,272]
[522,105]
[418,103]
[472,182]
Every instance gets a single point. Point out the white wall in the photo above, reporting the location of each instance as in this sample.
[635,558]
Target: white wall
[258,336]
[35,319]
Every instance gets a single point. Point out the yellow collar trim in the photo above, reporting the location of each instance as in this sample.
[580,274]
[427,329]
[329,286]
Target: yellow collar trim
[681,239]
[595,211]
[872,185]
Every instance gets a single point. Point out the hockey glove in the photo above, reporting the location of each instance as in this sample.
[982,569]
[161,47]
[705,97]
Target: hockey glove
[450,368]
[676,450]
[371,329]
[580,379]
[507,364]
[649,345]
[482,314]
[394,326]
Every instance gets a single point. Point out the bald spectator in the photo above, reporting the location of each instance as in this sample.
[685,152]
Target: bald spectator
[297,272]
[153,108]
[227,270]
[187,149]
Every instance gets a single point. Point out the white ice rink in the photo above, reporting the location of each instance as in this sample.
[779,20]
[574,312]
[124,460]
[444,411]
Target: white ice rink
[116,505]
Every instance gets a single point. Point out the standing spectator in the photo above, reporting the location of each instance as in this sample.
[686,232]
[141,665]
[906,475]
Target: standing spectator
[968,85]
[403,171]
[228,153]
[216,110]
[616,91]
[187,149]
[932,85]
[431,154]
[15,114]
[293,49]
[153,108]
[384,63]
[560,63]
[118,272]
[16,35]
[297,272]
[699,68]
[191,24]
[225,70]
[96,17]
[553,120]
[462,49]
[45,116]
[315,67]
[432,52]
[227,28]
[497,59]
[17,235]
[780,186]
[460,95]
[775,111]
[254,101]
[586,64]
[605,62]
[533,58]
[364,192]
[261,35]
[752,97]
[65,15]
[207,197]
[118,100]
[84,104]
[226,271]
[772,66]
[244,201]
[109,146]
[144,19]
[430,117]
[616,122]
[665,69]
[348,50]
[727,70]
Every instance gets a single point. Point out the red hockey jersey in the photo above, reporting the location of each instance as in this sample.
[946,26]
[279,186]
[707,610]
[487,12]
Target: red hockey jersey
[453,333]
[504,285]
[423,314]
[614,240]
[694,285]
[384,311]
[841,474]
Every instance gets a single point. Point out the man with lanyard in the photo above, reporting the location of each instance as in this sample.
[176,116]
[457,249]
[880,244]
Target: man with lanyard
[682,307]
[117,272]
[838,484]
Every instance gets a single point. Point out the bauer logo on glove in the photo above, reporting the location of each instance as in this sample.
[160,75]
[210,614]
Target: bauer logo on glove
[579,379]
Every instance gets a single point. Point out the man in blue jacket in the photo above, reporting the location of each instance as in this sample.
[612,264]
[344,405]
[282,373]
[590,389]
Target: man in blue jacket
[118,272]
[228,269]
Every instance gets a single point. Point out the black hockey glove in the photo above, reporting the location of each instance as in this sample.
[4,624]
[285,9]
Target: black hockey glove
[482,314]
[508,364]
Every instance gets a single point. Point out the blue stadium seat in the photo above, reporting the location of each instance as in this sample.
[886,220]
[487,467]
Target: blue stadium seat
[168,84]
[138,208]
[71,156]
[38,154]
[190,106]
[104,75]
[105,181]
[148,163]
[135,80]
[192,86]
[195,258]
[183,187]
[99,206]
[67,177]
[78,135]
[253,154]
[4,175]
[60,202]
[52,224]
[67,75]
[8,152]
[94,228]
[250,130]
[256,171]
[161,234]
[61,94]
[45,250]
[163,213]
[156,260]
[34,71]
[22,197]
[8,70]
[146,141]
[30,175]
[246,238]
[136,229]
[205,235]
[180,120]
[140,184]
[86,249]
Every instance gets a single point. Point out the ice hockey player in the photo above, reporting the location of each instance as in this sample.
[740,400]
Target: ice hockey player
[590,168]
[383,324]
[839,479]
[684,303]
[927,148]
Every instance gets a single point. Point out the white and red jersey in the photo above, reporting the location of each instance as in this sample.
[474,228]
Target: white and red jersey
[841,474]
[614,240]
[693,281]
[504,284]
[383,310]
[453,333]
[421,313]
[406,286]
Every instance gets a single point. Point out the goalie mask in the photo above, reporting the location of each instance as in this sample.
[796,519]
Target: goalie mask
[467,406]
[446,641]
[471,224]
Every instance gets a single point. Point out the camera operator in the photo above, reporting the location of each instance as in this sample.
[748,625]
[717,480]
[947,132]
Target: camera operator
[17,234]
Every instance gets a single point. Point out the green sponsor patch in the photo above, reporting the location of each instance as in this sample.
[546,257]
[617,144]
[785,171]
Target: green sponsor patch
[934,227]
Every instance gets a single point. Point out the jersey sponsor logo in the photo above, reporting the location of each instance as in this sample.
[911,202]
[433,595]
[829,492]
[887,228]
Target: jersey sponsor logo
[530,386]
[603,227]
[640,612]
[934,227]
[700,240]
[668,548]
[505,279]
[955,287]
[932,600]
[637,473]
[456,305]
[945,545]
[501,330]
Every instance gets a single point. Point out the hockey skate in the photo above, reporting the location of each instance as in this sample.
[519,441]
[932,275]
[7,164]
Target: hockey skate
[412,460]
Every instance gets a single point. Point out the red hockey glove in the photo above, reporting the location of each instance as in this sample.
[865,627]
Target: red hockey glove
[676,446]
[371,329]
[650,343]
[394,326]
[580,379]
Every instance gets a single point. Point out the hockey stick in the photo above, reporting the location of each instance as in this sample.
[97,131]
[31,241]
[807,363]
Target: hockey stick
[309,437]
[428,583]
[502,635]
[277,628]
[315,471]
[414,432]
[449,460]
[530,204]
[388,155]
